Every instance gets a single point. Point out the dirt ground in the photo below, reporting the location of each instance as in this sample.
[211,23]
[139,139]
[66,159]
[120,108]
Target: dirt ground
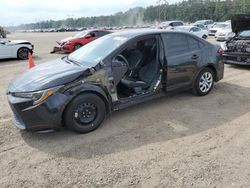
[178,141]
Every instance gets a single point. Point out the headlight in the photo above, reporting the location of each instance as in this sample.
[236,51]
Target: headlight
[38,96]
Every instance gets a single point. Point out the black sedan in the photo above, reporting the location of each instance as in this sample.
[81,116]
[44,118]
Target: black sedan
[116,71]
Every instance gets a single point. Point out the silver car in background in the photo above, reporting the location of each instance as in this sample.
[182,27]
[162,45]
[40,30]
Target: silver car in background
[217,26]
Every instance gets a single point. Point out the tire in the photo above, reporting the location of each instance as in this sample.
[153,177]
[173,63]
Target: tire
[77,47]
[204,82]
[85,113]
[23,53]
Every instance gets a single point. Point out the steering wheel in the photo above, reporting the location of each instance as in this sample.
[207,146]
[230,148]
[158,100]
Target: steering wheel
[124,59]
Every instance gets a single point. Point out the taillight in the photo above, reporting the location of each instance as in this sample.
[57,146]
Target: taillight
[220,51]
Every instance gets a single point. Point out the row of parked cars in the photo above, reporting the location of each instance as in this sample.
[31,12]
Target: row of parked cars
[202,28]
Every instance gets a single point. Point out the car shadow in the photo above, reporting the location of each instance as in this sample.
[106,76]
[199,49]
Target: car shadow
[15,60]
[155,121]
[9,60]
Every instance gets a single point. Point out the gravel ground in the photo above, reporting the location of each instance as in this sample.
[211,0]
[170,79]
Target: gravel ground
[177,141]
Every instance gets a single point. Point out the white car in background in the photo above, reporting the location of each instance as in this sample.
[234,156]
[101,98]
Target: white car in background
[206,23]
[217,26]
[15,49]
[169,25]
[224,34]
[194,30]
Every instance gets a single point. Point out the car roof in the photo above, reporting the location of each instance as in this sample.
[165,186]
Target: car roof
[143,32]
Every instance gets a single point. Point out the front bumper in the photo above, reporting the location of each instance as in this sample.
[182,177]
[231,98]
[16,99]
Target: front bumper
[236,58]
[221,38]
[61,49]
[47,115]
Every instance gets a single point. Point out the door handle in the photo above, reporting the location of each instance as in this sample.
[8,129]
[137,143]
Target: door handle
[195,56]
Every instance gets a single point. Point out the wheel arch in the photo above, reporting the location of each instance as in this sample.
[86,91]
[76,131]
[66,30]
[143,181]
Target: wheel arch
[89,88]
[30,50]
[210,66]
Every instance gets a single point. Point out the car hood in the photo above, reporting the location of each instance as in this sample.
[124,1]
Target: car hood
[240,23]
[47,75]
[19,42]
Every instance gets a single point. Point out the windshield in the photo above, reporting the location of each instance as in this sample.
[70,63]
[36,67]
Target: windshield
[94,52]
[81,34]
[245,34]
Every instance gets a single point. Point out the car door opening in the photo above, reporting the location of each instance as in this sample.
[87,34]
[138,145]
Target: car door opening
[142,68]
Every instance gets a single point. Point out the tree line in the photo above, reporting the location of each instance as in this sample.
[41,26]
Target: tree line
[187,10]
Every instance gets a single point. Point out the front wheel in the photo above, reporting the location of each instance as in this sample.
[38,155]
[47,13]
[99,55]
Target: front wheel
[77,47]
[23,53]
[85,113]
[204,82]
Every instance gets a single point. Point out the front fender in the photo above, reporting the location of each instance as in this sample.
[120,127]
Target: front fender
[90,88]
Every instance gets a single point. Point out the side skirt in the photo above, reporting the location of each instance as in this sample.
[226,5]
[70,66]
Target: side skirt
[133,100]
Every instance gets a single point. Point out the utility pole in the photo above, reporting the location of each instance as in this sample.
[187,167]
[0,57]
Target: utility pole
[162,9]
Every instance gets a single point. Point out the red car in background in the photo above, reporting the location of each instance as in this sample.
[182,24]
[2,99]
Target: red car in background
[71,44]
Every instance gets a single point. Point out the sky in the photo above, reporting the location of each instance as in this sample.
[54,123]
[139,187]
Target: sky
[16,12]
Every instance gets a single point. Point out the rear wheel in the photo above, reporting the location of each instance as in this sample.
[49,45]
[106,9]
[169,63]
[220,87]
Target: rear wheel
[204,82]
[85,113]
[23,53]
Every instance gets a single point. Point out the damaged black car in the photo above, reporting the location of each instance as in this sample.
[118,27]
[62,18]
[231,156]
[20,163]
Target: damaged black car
[114,72]
[237,49]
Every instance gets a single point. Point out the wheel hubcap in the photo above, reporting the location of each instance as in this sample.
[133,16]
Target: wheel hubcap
[206,82]
[23,53]
[85,113]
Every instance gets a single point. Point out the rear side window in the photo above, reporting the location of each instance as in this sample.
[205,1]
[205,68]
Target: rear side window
[193,44]
[175,43]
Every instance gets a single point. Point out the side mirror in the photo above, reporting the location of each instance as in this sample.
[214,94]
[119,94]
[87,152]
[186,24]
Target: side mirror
[2,42]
